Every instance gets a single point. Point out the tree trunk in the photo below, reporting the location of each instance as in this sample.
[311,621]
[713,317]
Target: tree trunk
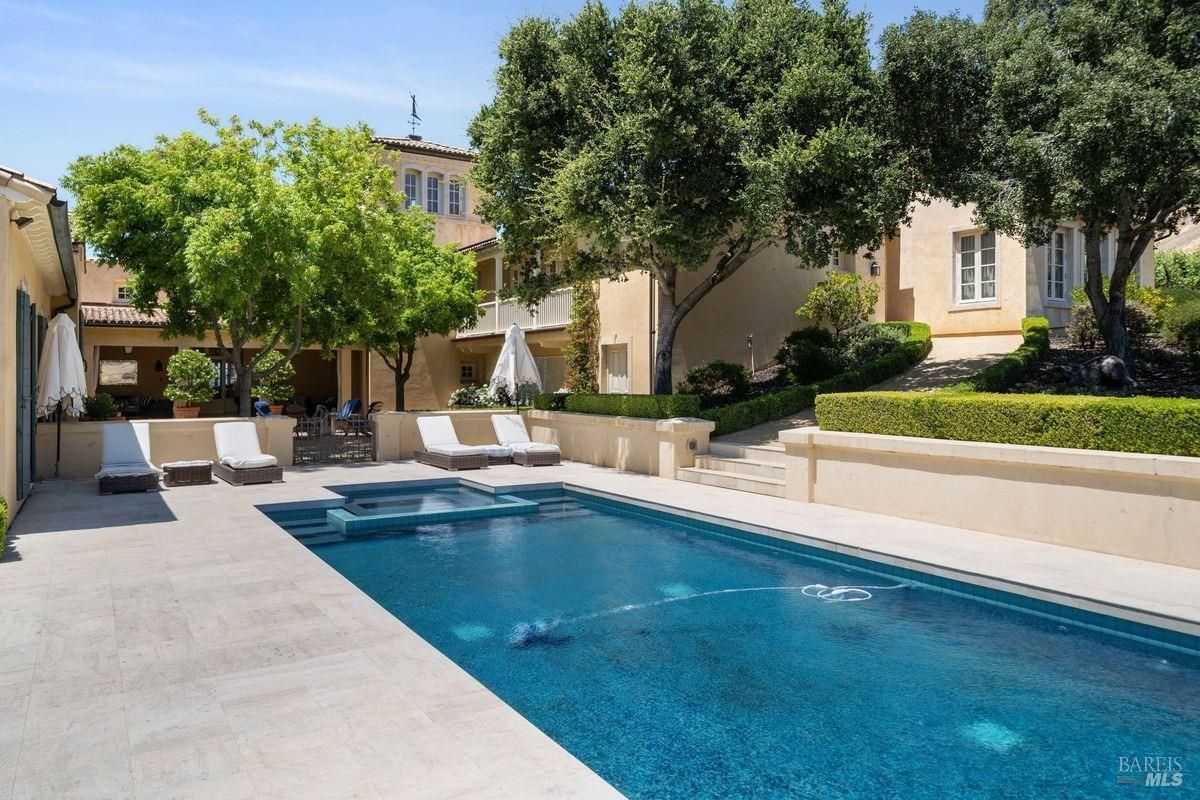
[244,379]
[401,370]
[664,345]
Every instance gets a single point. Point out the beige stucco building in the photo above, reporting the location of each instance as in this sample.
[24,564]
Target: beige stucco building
[38,264]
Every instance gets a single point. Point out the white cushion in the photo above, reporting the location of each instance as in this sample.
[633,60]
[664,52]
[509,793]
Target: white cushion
[181,464]
[127,470]
[436,430]
[249,462]
[455,450]
[237,445]
[534,447]
[498,450]
[510,429]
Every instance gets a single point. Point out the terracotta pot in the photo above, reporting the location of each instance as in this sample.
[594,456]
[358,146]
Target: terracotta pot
[187,412]
[277,410]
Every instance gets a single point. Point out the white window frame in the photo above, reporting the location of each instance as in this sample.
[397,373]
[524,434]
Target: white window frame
[1070,266]
[433,193]
[412,188]
[122,289]
[835,259]
[454,197]
[957,235]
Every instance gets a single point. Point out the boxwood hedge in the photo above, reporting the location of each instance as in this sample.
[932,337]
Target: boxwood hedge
[1168,426]
[757,410]
[646,406]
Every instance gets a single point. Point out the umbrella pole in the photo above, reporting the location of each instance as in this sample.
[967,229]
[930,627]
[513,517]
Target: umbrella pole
[58,441]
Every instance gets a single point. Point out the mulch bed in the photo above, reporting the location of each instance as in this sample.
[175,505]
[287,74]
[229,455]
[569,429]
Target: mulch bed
[1161,372]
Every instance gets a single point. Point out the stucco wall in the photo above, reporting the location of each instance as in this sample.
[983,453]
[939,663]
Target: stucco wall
[17,268]
[1127,504]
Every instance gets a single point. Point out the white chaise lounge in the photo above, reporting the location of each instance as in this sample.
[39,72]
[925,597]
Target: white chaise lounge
[442,448]
[240,460]
[125,459]
[510,432]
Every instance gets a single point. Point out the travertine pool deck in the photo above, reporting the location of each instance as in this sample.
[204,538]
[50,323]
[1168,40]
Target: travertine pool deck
[179,644]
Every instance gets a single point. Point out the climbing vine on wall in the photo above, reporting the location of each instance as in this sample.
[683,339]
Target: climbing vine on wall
[583,333]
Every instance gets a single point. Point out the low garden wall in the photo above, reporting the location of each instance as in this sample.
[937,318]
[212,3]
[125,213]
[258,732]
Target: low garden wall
[170,440]
[1127,504]
[649,446]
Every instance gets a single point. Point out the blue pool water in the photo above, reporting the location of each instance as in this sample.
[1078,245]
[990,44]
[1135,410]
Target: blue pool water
[680,663]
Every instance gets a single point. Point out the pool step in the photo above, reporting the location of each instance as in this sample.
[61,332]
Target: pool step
[743,474]
[772,452]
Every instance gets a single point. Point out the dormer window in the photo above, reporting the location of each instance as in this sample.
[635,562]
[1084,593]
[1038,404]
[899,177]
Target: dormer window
[123,295]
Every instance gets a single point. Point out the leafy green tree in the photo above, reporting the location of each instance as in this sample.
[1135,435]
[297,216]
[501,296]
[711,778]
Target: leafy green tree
[273,379]
[1084,110]
[191,377]
[583,340]
[241,234]
[424,290]
[843,301]
[685,136]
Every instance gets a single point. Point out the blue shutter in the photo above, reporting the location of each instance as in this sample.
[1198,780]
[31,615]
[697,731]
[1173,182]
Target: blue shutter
[24,401]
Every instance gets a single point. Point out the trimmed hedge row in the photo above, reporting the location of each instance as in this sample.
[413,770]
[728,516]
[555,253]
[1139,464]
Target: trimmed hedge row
[757,410]
[646,406]
[1167,426]
[1014,366]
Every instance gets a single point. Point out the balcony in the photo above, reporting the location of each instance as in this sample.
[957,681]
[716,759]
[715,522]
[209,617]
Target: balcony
[497,315]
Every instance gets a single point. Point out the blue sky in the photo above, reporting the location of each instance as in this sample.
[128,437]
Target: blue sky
[84,77]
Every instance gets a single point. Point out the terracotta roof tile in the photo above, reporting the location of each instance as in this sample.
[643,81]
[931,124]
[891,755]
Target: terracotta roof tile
[486,244]
[411,145]
[120,316]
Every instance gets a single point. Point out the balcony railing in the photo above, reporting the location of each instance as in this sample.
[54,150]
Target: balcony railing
[497,315]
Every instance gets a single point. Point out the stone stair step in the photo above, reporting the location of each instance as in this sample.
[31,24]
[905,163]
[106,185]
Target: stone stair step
[757,452]
[774,487]
[742,466]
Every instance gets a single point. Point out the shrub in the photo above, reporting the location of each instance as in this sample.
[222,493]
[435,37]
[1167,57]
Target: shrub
[1175,268]
[757,410]
[717,382]
[1013,367]
[1181,327]
[843,301]
[1140,324]
[869,343]
[273,376]
[808,355]
[583,333]
[646,406]
[551,401]
[100,406]
[191,376]
[1168,426]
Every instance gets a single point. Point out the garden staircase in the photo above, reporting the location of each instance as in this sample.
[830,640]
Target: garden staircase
[758,469]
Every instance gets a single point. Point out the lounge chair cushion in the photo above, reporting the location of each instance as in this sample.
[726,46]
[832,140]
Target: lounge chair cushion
[125,451]
[237,446]
[182,464]
[498,451]
[455,449]
[510,429]
[436,430]
[534,447]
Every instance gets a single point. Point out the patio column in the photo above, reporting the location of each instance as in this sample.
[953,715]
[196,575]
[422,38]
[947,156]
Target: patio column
[345,387]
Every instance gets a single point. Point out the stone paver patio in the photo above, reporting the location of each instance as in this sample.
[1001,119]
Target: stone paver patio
[180,645]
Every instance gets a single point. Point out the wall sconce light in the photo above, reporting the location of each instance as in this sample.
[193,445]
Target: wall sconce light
[158,366]
[128,349]
[21,222]
[874,269]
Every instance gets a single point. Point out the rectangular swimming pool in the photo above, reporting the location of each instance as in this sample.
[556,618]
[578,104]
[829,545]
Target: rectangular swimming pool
[692,661]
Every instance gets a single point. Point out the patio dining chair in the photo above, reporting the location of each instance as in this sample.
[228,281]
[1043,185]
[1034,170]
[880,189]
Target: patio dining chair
[348,417]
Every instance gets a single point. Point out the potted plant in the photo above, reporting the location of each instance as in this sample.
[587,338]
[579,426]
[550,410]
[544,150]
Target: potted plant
[100,407]
[191,376]
[273,376]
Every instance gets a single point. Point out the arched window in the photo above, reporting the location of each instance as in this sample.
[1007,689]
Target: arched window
[412,189]
[432,186]
[454,198]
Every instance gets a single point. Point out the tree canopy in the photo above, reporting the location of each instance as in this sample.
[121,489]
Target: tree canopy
[258,234]
[685,135]
[428,290]
[1050,111]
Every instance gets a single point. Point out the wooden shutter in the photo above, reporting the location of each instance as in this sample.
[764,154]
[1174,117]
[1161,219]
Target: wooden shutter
[24,397]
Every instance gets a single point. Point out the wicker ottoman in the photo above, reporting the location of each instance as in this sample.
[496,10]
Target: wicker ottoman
[187,473]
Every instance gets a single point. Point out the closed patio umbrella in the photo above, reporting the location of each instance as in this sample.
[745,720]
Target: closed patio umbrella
[515,368]
[62,382]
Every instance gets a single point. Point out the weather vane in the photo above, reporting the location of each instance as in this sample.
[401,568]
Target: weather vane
[415,120]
